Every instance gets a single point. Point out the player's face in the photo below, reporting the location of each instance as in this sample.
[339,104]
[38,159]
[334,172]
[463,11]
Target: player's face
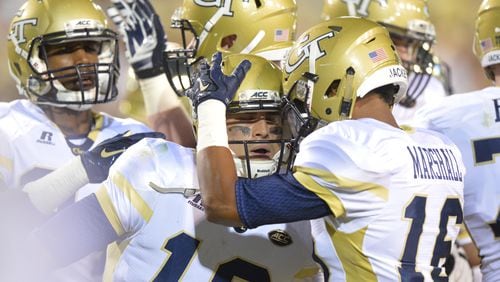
[255,126]
[70,54]
[405,46]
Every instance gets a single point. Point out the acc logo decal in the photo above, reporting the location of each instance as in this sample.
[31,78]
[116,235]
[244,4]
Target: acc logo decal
[280,238]
[309,50]
[260,95]
[83,22]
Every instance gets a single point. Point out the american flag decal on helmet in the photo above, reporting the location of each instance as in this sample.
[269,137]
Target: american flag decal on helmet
[377,55]
[281,35]
[486,45]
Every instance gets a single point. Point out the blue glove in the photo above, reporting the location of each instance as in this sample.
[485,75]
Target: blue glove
[98,160]
[143,34]
[212,83]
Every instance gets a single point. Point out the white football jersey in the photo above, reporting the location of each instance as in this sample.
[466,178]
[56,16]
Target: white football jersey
[472,121]
[33,146]
[166,234]
[433,93]
[396,195]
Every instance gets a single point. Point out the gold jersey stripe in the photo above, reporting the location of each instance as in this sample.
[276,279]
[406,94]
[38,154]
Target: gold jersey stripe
[326,195]
[6,163]
[343,182]
[349,249]
[99,121]
[109,210]
[131,194]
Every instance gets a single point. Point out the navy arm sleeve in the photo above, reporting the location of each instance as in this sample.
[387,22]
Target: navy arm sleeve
[75,232]
[276,199]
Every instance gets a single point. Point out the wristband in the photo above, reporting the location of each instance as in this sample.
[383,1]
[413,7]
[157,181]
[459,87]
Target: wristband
[212,124]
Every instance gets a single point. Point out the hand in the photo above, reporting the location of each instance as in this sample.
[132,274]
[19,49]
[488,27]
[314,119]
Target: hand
[212,83]
[143,34]
[98,160]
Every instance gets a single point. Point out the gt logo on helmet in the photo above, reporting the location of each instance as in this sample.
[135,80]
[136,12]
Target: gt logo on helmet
[17,32]
[224,4]
[360,8]
[309,50]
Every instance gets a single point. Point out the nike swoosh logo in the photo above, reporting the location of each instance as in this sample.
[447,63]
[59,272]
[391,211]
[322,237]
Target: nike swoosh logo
[106,154]
[203,87]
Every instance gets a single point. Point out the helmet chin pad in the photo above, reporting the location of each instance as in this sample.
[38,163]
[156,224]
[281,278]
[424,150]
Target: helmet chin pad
[263,167]
[258,168]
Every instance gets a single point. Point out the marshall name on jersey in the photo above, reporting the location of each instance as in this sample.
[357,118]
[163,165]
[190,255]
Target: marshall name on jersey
[435,163]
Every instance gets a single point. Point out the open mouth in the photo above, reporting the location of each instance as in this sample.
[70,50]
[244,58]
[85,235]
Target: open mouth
[87,82]
[260,152]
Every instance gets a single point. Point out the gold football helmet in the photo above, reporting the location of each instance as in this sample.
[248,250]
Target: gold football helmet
[258,135]
[409,25]
[487,37]
[42,24]
[262,27]
[332,64]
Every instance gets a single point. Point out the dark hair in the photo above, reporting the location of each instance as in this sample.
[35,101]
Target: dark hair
[387,92]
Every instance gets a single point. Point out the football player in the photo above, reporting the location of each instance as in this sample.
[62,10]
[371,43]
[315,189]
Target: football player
[64,59]
[387,201]
[151,204]
[413,34]
[471,120]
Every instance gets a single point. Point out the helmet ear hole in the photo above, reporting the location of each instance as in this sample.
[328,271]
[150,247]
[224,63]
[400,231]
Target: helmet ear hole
[331,91]
[228,41]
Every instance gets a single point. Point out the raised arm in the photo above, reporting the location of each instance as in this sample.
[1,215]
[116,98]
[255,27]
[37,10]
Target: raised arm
[211,93]
[145,40]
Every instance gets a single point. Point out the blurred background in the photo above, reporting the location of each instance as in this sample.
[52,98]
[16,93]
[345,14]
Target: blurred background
[454,21]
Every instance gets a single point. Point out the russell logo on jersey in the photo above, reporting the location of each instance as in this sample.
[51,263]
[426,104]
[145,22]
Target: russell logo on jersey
[45,138]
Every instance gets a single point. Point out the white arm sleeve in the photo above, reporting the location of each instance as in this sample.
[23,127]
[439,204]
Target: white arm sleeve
[50,191]
[158,95]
